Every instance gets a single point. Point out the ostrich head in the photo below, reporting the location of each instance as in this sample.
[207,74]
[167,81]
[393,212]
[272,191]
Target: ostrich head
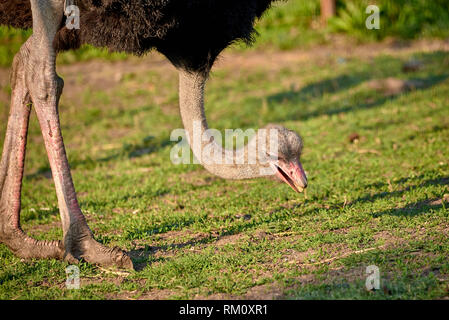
[280,159]
[285,163]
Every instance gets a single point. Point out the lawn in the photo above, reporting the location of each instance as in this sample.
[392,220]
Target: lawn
[376,157]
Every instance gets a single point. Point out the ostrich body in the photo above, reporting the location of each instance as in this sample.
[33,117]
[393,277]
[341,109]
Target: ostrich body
[190,33]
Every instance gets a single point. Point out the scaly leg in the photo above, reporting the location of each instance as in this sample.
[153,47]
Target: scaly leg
[45,88]
[11,172]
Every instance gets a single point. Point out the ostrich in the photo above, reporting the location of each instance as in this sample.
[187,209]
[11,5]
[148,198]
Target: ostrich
[190,33]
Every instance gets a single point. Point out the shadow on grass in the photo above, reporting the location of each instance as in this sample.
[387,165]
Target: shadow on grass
[432,182]
[307,94]
[411,209]
[296,104]
[437,181]
[38,214]
[148,145]
[143,257]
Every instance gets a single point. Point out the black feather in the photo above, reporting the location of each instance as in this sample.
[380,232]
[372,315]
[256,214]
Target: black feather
[190,33]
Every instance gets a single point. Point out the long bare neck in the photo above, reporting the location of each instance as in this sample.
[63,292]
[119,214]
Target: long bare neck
[191,97]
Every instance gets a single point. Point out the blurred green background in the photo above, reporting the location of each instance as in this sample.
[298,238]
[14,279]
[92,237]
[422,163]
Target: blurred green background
[297,24]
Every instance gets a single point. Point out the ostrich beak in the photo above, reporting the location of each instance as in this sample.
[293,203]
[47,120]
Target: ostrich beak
[292,173]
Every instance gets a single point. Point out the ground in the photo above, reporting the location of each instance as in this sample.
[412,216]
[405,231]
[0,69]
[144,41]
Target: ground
[376,147]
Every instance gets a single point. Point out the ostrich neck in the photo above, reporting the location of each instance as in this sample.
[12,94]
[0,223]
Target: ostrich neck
[191,97]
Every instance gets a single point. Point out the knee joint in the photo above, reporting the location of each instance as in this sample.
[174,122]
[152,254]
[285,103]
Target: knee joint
[45,85]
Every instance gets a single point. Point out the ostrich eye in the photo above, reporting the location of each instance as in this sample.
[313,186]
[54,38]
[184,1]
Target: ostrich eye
[269,155]
[278,157]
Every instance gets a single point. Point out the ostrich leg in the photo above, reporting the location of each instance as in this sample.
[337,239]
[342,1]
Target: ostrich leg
[45,88]
[11,172]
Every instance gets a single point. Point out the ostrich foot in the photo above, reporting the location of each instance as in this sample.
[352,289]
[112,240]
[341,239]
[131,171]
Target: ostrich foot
[80,244]
[81,247]
[27,248]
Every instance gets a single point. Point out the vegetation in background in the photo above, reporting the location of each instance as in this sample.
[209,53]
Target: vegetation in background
[405,19]
[11,39]
[10,42]
[296,24]
[290,25]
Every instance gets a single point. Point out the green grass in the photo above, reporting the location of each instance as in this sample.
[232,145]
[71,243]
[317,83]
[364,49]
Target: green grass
[375,202]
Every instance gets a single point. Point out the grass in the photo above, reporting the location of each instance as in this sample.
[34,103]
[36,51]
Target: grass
[376,201]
